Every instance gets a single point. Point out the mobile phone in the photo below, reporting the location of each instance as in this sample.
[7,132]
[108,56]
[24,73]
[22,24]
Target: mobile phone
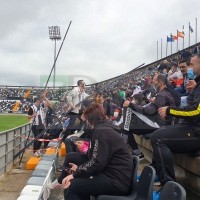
[66,168]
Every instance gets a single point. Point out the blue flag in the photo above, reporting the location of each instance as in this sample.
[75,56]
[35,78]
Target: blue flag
[169,39]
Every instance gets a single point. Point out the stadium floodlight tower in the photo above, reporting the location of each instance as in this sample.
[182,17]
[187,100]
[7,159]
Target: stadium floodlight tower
[54,34]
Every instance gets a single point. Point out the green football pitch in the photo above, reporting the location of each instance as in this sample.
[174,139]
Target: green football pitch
[11,121]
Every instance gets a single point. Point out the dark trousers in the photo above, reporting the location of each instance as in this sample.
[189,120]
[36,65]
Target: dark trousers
[37,129]
[83,188]
[48,120]
[131,140]
[71,127]
[69,143]
[174,138]
[73,157]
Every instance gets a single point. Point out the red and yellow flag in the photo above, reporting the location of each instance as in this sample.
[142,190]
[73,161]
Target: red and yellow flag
[180,34]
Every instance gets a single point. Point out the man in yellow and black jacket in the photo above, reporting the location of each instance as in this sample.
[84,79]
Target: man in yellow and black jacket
[180,138]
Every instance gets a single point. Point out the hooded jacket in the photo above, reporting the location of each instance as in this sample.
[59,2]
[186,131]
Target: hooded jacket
[108,154]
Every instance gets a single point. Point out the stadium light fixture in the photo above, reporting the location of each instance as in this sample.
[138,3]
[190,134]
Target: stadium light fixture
[54,34]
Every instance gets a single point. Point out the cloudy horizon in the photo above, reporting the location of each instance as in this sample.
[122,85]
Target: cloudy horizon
[106,38]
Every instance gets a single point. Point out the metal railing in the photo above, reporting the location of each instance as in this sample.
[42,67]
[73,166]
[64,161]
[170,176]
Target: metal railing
[11,141]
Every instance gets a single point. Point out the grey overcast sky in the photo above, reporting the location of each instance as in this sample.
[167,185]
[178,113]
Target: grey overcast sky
[106,38]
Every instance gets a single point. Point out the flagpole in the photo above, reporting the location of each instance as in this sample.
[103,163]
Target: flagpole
[161,49]
[196,31]
[157,50]
[184,36]
[166,48]
[177,41]
[171,43]
[189,33]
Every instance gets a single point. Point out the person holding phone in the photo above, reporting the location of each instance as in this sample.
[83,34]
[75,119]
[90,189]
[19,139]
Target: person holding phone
[108,168]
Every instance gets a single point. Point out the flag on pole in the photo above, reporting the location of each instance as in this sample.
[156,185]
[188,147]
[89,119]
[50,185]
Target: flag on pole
[191,29]
[174,37]
[170,39]
[180,34]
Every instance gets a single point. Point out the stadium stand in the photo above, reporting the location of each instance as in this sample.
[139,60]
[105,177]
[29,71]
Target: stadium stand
[45,166]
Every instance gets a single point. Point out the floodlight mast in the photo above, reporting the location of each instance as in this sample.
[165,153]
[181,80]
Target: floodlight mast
[54,34]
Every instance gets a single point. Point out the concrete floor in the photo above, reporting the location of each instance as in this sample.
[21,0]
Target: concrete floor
[12,183]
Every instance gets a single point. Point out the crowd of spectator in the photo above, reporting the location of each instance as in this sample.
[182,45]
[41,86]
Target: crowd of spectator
[6,106]
[5,92]
[151,96]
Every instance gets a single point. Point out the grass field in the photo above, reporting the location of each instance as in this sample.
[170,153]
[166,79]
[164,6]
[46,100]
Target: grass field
[12,121]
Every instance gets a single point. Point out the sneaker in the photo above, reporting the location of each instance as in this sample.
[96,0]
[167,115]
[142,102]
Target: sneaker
[36,154]
[54,185]
[59,169]
[42,151]
[157,182]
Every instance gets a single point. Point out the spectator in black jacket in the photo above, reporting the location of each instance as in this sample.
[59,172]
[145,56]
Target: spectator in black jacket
[117,96]
[149,92]
[180,138]
[108,170]
[49,115]
[138,126]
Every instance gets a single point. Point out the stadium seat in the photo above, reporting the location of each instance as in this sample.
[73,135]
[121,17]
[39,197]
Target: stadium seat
[52,144]
[36,181]
[172,191]
[62,150]
[27,197]
[40,173]
[32,162]
[31,190]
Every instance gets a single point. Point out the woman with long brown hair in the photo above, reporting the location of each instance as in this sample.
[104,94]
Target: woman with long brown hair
[109,168]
